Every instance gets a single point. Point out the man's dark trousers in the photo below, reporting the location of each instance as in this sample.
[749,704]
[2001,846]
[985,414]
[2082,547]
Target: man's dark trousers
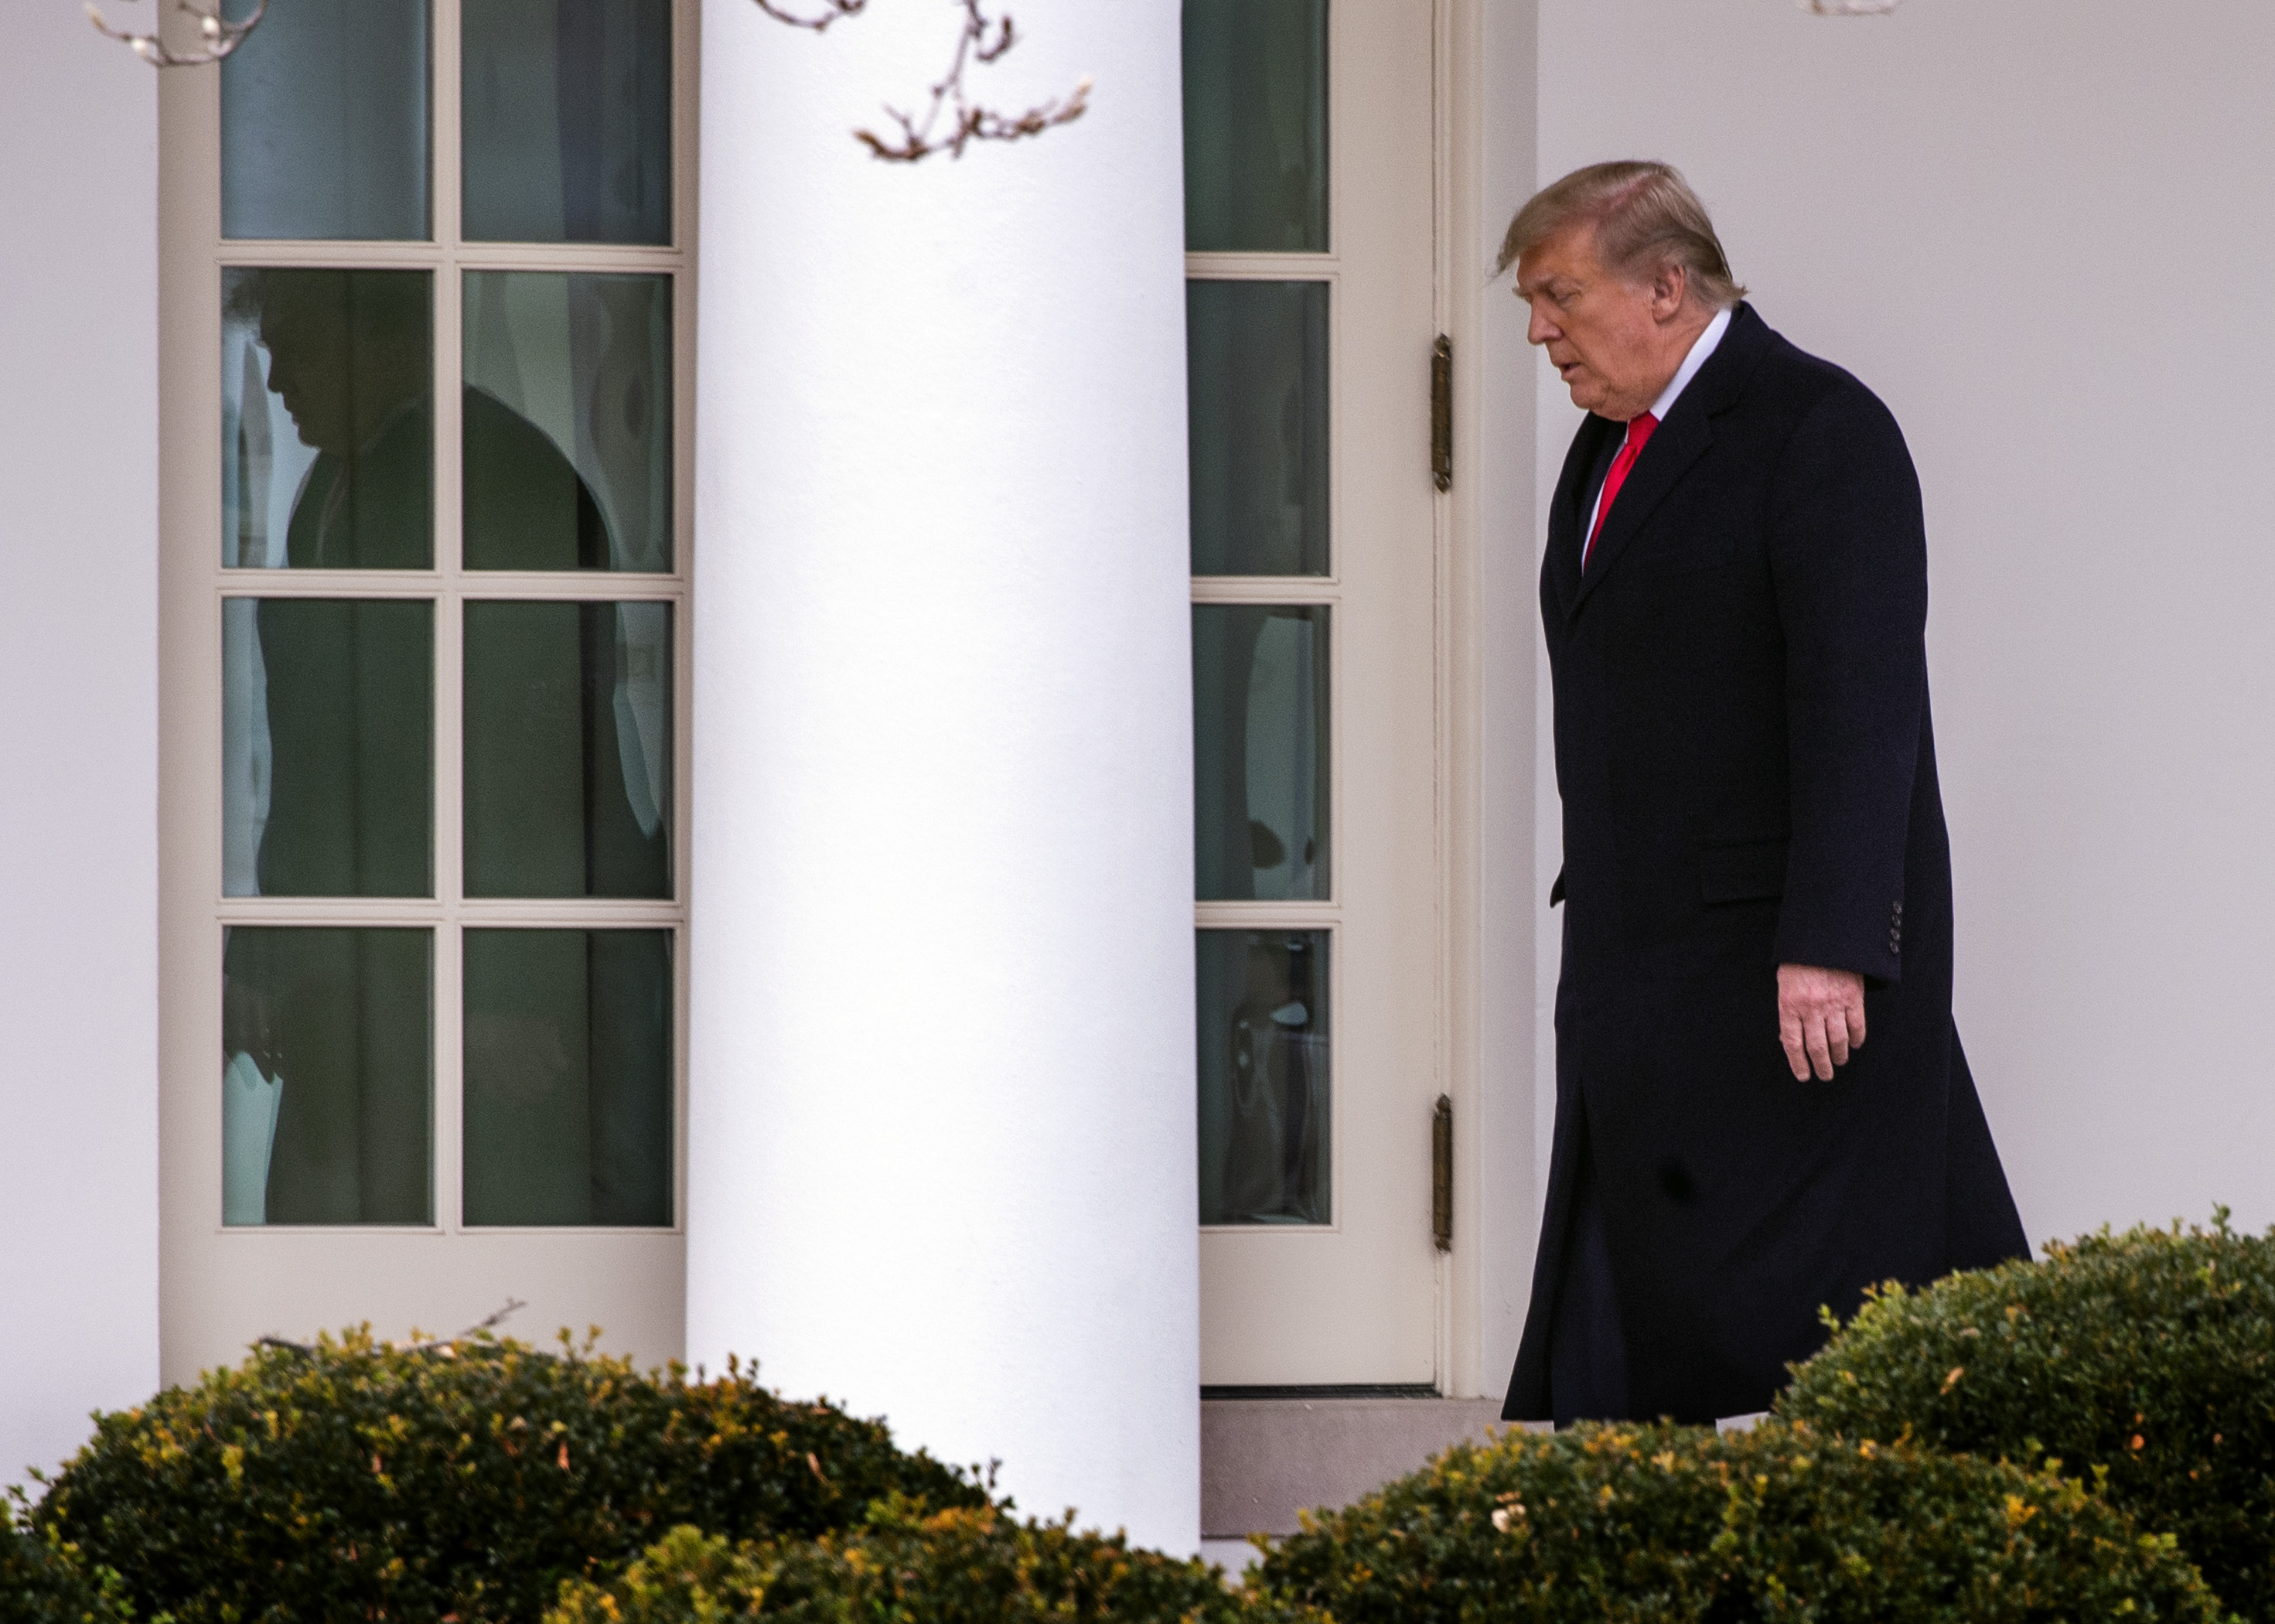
[1748,771]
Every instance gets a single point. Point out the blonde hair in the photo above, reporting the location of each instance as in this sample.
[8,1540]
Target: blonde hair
[1646,217]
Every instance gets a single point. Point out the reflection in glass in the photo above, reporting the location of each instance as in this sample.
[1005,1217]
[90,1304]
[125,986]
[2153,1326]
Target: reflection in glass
[1256,125]
[1259,752]
[568,750]
[1264,1102]
[567,110]
[327,1076]
[569,1077]
[323,123]
[328,457]
[568,421]
[1257,360]
[327,720]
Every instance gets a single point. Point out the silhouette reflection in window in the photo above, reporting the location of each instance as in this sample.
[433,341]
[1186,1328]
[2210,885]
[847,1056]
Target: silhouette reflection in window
[1264,1083]
[328,728]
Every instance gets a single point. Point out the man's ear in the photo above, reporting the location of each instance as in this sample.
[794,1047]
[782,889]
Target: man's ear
[1668,290]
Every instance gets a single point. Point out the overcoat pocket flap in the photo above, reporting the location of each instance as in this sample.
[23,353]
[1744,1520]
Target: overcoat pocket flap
[1742,872]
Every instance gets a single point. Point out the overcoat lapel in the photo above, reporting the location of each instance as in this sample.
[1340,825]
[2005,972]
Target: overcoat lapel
[1565,515]
[1680,441]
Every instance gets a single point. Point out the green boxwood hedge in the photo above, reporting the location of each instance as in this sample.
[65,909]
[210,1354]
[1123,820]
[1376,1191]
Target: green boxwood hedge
[1676,1525]
[43,1582]
[459,1481]
[2144,1361]
[908,1566]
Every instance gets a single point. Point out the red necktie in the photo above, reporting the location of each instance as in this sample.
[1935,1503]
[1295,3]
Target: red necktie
[1638,436]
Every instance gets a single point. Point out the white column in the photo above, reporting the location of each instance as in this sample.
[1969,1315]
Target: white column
[78,642]
[941,1104]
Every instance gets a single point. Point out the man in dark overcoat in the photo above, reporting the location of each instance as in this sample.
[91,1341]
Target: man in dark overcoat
[1756,871]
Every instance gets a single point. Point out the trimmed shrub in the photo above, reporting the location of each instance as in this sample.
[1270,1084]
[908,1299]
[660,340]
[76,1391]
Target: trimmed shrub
[909,1565]
[1675,1524]
[2145,1361]
[466,1479]
[41,1581]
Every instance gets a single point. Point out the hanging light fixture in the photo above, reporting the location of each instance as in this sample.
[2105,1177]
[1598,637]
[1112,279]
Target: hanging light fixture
[220,36]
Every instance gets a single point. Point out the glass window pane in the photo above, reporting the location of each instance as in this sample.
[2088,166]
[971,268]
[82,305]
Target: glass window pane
[328,747]
[569,1077]
[1259,752]
[568,750]
[1263,1101]
[328,438]
[323,123]
[568,421]
[567,108]
[327,1076]
[1256,125]
[1257,361]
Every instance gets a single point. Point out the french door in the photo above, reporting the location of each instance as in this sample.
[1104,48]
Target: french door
[1310,317]
[427,329]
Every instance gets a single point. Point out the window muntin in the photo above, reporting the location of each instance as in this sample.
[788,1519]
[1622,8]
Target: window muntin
[1260,315]
[432,729]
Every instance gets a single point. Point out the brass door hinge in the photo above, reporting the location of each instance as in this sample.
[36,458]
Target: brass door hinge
[1441,1175]
[1441,413]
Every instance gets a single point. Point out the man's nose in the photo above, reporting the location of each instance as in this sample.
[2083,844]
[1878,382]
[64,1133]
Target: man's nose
[1540,330]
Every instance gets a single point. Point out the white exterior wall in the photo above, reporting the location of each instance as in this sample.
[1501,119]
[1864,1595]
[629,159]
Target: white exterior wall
[78,522]
[2037,229]
[1513,1023]
[941,1063]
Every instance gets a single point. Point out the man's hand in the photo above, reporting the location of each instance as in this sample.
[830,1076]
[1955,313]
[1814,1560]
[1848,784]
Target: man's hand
[1820,1018]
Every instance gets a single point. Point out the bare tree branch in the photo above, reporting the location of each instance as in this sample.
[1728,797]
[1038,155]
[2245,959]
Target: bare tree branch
[220,36]
[447,1346]
[839,9]
[981,40]
[951,120]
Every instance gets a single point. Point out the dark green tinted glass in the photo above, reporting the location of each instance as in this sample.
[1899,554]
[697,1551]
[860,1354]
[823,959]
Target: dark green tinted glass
[1259,752]
[568,750]
[327,1076]
[567,113]
[1264,1100]
[1257,369]
[323,122]
[328,747]
[328,435]
[1256,125]
[569,1095]
[568,421]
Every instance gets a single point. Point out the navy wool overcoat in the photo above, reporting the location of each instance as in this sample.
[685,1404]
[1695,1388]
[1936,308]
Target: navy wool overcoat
[1748,774]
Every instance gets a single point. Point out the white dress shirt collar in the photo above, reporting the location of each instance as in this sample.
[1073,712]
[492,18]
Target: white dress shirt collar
[1702,348]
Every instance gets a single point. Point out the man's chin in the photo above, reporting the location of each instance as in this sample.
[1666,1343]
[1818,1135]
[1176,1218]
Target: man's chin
[1587,389]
